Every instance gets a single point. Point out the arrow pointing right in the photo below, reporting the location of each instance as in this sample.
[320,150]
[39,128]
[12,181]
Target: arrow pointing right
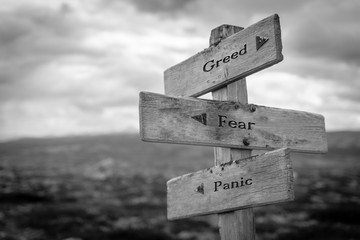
[260,41]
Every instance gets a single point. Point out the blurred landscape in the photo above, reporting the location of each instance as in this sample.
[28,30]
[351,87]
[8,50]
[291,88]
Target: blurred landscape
[114,187]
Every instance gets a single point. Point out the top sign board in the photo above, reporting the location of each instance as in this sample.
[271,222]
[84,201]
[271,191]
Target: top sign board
[248,51]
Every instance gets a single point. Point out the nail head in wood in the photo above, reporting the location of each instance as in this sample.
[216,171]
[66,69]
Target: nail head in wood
[252,108]
[246,142]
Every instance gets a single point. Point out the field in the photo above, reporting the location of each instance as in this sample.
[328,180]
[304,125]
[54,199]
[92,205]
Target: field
[114,187]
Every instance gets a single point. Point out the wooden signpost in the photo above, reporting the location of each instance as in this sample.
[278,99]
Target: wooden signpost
[238,181]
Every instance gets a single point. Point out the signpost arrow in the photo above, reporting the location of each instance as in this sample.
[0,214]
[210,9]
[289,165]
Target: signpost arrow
[228,124]
[248,51]
[260,41]
[201,118]
[255,181]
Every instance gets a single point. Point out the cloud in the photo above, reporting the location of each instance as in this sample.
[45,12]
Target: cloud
[58,118]
[330,33]
[33,36]
[38,31]
[64,66]
[211,10]
[69,67]
[289,91]
[160,6]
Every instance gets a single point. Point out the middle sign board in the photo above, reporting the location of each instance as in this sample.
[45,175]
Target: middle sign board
[229,124]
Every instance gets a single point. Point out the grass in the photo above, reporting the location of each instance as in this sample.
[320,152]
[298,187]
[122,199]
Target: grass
[114,187]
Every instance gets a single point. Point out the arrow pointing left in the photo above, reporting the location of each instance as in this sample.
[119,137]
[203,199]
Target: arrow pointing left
[202,118]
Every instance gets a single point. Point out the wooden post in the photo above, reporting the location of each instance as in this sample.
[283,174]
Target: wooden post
[238,224]
[226,78]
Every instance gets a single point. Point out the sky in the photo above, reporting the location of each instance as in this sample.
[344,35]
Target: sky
[77,67]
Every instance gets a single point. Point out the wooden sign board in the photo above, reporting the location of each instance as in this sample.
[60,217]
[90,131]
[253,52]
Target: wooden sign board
[248,51]
[255,181]
[228,124]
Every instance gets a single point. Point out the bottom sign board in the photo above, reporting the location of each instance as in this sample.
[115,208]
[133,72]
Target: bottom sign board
[255,181]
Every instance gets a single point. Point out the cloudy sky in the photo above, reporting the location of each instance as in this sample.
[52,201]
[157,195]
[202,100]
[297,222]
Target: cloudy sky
[76,67]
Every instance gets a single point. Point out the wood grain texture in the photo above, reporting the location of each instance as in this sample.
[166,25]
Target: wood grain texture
[171,120]
[201,193]
[222,32]
[189,79]
[239,224]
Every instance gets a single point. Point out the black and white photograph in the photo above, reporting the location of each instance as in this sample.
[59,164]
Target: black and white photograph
[179,120]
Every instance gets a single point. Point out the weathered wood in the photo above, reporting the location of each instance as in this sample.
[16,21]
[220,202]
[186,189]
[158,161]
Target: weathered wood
[235,92]
[222,32]
[237,225]
[256,181]
[248,51]
[234,225]
[228,124]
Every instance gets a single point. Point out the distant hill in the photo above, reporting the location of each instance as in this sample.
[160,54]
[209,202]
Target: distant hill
[127,154]
[340,140]
[344,139]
